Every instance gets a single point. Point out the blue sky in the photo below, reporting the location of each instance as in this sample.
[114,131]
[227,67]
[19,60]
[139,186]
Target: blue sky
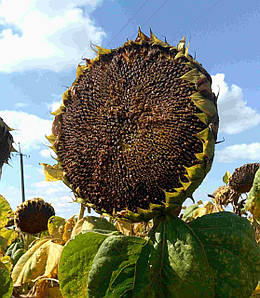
[42,42]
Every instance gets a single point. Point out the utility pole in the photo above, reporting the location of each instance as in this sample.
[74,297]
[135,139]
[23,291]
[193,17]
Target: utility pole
[21,155]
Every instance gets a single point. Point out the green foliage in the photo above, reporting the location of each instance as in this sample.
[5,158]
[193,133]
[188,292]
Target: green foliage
[232,252]
[17,254]
[76,261]
[173,265]
[120,268]
[13,248]
[6,284]
[209,257]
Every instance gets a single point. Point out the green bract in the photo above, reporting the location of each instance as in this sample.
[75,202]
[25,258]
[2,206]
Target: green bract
[136,131]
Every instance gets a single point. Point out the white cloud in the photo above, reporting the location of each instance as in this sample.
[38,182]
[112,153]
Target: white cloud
[46,34]
[30,130]
[235,116]
[237,152]
[47,153]
[56,193]
[20,105]
[54,105]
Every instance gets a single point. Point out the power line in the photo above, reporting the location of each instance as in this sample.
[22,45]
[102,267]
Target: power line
[155,12]
[126,24]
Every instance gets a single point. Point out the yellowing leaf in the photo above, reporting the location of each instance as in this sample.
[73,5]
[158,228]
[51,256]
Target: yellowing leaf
[56,226]
[206,209]
[44,288]
[5,211]
[40,260]
[52,173]
[69,225]
[90,223]
[9,235]
[6,260]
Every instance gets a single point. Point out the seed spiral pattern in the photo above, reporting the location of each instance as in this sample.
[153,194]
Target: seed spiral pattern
[129,127]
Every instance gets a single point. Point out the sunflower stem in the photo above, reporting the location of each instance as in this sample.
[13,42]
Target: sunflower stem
[81,212]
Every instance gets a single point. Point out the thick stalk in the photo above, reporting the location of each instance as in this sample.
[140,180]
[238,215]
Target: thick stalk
[81,212]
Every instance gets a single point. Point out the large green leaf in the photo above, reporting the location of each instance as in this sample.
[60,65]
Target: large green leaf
[76,261]
[121,268]
[6,284]
[5,211]
[179,265]
[174,266]
[232,252]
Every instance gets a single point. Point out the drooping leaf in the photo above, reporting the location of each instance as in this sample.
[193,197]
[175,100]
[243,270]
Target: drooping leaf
[76,261]
[6,284]
[5,211]
[174,266]
[41,259]
[232,252]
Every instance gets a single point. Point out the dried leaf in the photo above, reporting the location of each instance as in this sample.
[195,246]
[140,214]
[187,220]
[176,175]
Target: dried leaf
[40,260]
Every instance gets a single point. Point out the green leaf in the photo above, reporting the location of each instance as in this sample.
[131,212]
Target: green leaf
[5,211]
[6,284]
[179,265]
[253,200]
[232,252]
[121,268]
[174,266]
[76,261]
[226,177]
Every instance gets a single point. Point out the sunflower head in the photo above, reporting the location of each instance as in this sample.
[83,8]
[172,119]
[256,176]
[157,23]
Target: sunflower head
[6,144]
[32,216]
[136,131]
[242,178]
